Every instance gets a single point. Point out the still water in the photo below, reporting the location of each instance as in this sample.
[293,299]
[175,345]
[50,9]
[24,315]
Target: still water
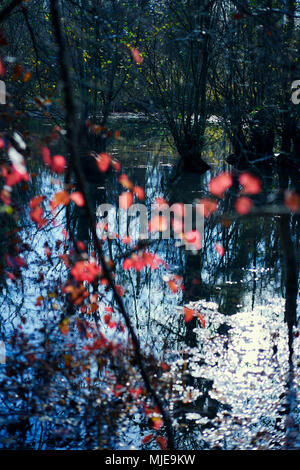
[234,382]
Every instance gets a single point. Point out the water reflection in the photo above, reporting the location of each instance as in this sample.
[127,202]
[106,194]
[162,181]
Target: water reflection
[238,378]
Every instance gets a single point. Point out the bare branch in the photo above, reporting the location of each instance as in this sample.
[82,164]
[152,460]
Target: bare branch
[76,167]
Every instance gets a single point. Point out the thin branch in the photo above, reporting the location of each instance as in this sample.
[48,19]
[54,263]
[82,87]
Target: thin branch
[76,167]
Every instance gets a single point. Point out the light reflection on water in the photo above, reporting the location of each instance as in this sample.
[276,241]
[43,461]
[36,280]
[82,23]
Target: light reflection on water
[249,371]
[235,371]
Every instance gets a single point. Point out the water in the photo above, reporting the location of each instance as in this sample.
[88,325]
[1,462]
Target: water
[232,384]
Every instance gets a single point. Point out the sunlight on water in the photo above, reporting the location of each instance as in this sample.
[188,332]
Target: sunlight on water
[249,371]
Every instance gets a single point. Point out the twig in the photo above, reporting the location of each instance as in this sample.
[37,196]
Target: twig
[76,167]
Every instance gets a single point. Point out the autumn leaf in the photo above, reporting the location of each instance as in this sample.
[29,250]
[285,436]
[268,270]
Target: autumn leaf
[36,201]
[118,135]
[147,439]
[125,182]
[116,165]
[78,198]
[18,163]
[292,201]
[85,271]
[193,238]
[126,240]
[119,289]
[238,16]
[46,156]
[60,198]
[36,214]
[157,422]
[64,326]
[251,184]
[220,184]
[139,193]
[220,249]
[243,205]
[39,301]
[58,164]
[201,319]
[207,207]
[27,76]
[103,161]
[173,286]
[125,200]
[136,55]
[65,233]
[158,223]
[188,314]
[18,69]
[162,442]
[2,68]
[81,246]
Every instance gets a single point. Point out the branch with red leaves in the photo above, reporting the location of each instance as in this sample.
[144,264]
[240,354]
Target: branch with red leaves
[76,168]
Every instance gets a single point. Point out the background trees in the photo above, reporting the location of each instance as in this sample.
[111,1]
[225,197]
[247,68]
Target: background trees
[178,50]
[181,61]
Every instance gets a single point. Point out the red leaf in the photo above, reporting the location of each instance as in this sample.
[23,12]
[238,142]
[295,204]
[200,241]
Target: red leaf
[126,240]
[158,223]
[136,55]
[36,201]
[78,198]
[173,286]
[220,184]
[243,205]
[238,16]
[292,201]
[2,68]
[157,423]
[251,184]
[18,69]
[162,442]
[46,156]
[125,200]
[125,182]
[209,206]
[220,249]
[188,314]
[201,319]
[60,198]
[27,76]
[64,326]
[147,439]
[139,193]
[37,214]
[116,165]
[103,161]
[81,246]
[65,233]
[85,271]
[193,237]
[120,290]
[5,197]
[58,164]
[15,177]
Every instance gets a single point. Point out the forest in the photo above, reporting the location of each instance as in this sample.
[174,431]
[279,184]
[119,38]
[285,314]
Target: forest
[149,225]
